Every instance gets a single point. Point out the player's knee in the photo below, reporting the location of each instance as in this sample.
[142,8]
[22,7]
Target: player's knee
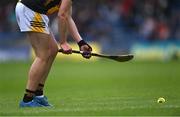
[49,54]
[52,52]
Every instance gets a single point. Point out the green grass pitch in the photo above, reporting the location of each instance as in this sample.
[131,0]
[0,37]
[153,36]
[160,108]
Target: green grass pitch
[96,88]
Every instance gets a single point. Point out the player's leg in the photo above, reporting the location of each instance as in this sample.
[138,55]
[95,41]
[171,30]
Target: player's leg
[39,94]
[43,80]
[45,50]
[39,90]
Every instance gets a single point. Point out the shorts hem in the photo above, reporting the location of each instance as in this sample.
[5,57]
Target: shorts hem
[24,31]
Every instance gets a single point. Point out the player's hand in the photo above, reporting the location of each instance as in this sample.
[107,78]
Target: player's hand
[66,48]
[86,48]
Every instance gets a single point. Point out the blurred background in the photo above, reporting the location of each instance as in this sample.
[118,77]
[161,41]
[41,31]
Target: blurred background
[150,29]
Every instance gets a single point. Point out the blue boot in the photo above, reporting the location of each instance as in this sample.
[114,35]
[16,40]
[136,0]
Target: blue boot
[32,103]
[42,100]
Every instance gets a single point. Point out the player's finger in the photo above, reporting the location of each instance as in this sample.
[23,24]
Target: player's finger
[67,51]
[87,48]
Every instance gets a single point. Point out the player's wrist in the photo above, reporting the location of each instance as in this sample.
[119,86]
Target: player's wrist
[81,43]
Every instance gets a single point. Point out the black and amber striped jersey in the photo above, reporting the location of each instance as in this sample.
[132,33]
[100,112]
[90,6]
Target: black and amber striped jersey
[42,6]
